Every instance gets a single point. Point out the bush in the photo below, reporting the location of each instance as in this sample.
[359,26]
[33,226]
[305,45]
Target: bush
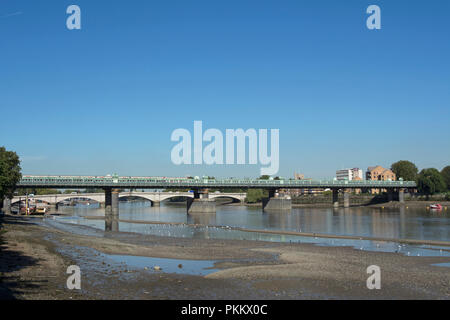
[256,195]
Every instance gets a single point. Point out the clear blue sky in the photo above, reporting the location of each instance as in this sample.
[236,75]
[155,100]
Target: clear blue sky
[106,98]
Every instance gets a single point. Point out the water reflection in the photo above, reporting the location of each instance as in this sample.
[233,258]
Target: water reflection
[211,232]
[412,223]
[202,218]
[112,223]
[194,267]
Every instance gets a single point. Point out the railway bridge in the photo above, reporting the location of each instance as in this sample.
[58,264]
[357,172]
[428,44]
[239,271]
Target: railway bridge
[202,200]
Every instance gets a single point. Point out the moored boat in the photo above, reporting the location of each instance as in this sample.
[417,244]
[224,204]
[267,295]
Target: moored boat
[436,206]
[41,210]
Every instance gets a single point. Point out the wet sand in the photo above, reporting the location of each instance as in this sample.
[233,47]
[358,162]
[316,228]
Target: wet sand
[34,258]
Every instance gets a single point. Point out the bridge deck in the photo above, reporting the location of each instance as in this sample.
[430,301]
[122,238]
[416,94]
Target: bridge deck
[163,183]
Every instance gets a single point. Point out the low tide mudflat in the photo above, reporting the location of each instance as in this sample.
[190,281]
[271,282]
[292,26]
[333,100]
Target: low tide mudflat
[34,259]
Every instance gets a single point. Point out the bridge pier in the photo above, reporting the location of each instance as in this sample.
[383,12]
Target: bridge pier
[108,201]
[156,203]
[390,194]
[201,203]
[346,199]
[275,202]
[401,195]
[115,202]
[6,206]
[111,202]
[111,223]
[336,198]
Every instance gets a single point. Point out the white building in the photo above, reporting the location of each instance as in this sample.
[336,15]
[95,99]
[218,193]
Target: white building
[344,174]
[357,174]
[349,174]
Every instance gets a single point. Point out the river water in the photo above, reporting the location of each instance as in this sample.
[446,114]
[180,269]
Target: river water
[392,223]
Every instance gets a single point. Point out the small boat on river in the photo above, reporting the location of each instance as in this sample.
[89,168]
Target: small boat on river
[436,206]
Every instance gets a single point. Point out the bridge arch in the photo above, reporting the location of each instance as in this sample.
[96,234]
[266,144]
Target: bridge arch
[234,198]
[79,196]
[176,195]
[146,198]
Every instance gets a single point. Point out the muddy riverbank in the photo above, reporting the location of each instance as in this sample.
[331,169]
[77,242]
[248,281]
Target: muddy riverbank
[34,258]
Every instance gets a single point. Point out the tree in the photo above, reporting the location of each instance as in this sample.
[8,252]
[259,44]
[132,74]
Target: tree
[405,169]
[446,176]
[9,173]
[264,177]
[256,195]
[430,181]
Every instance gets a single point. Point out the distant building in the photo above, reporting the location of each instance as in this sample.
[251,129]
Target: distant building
[344,174]
[299,176]
[379,173]
[302,191]
[349,174]
[357,174]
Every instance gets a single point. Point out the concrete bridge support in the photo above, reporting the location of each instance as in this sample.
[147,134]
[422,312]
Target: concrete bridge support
[6,206]
[276,202]
[401,195]
[346,199]
[115,203]
[108,202]
[390,194]
[336,198]
[201,203]
[111,223]
[156,203]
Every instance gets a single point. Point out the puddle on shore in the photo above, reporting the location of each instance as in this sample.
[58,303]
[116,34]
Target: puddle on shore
[192,267]
[445,264]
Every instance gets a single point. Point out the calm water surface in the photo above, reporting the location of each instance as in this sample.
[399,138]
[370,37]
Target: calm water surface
[412,223]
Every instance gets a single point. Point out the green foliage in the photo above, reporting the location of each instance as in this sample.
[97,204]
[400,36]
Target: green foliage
[446,176]
[405,169]
[94,190]
[9,172]
[256,195]
[430,181]
[264,177]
